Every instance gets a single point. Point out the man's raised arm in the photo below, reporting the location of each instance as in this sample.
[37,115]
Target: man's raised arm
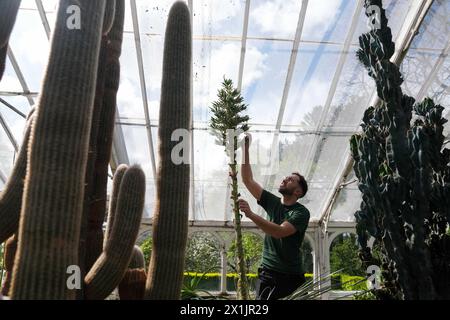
[246,171]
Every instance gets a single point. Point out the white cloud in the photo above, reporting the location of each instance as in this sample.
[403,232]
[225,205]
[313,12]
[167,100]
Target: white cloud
[219,11]
[280,17]
[319,16]
[224,61]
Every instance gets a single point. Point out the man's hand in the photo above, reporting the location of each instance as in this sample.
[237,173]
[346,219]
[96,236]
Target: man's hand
[247,141]
[244,207]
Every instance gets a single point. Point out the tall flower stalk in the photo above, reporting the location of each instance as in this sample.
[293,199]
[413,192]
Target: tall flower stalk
[227,123]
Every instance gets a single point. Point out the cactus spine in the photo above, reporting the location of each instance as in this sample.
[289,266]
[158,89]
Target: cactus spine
[404,177]
[110,267]
[170,218]
[53,196]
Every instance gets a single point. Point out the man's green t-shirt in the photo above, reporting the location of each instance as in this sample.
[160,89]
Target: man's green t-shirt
[283,255]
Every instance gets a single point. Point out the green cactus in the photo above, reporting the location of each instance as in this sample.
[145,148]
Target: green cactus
[132,285]
[101,136]
[118,175]
[404,176]
[137,259]
[53,195]
[110,267]
[11,197]
[8,14]
[226,116]
[171,214]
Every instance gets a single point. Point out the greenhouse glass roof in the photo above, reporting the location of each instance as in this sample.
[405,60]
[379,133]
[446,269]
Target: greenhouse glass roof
[295,64]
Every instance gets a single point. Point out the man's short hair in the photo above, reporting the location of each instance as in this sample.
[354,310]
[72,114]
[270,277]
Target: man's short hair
[302,183]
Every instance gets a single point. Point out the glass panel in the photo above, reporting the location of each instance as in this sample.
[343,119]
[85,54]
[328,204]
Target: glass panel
[353,92]
[212,61]
[15,122]
[310,85]
[6,153]
[218,17]
[129,98]
[30,47]
[274,19]
[328,21]
[416,68]
[153,59]
[210,179]
[138,153]
[434,31]
[264,78]
[9,81]
[325,166]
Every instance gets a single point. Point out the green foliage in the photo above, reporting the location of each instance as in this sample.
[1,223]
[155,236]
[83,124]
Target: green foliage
[191,288]
[344,255]
[202,253]
[227,112]
[253,247]
[146,247]
[350,283]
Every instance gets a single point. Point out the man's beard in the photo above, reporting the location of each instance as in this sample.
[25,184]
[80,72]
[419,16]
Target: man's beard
[285,191]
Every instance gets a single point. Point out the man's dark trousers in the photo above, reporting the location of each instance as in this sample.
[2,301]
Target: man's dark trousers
[272,285]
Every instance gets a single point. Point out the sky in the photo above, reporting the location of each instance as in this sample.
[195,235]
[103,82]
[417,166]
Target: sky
[271,31]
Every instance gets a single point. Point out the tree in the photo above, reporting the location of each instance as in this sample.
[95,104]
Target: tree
[253,247]
[146,247]
[226,123]
[344,255]
[202,254]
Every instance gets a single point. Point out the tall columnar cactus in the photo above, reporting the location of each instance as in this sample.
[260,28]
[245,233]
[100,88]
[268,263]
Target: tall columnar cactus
[404,177]
[11,196]
[170,218]
[226,123]
[110,267]
[53,196]
[118,176]
[8,14]
[102,128]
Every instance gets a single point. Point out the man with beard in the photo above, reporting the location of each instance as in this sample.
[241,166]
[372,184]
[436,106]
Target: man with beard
[281,270]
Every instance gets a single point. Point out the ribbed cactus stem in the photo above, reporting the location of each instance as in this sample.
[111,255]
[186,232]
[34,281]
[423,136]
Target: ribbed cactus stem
[87,259]
[110,267]
[110,12]
[105,136]
[137,259]
[54,187]
[8,14]
[11,197]
[117,180]
[132,286]
[10,252]
[170,218]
